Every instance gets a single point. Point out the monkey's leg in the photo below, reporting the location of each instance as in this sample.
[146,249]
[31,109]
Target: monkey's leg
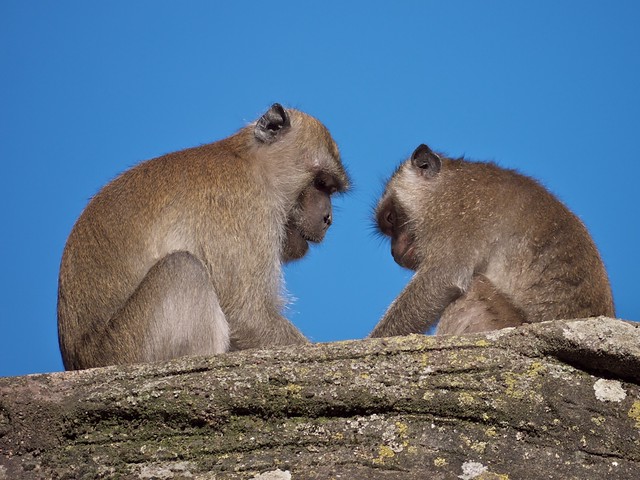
[173,312]
[482,308]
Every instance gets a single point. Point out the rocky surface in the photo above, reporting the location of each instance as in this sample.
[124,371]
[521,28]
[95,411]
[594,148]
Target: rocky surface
[552,400]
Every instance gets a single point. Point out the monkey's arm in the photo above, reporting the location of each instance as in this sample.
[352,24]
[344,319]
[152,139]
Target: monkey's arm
[420,304]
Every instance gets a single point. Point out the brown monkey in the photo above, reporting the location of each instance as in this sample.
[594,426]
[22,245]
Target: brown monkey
[182,254]
[491,248]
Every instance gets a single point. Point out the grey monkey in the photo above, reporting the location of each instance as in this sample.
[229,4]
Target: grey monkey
[490,248]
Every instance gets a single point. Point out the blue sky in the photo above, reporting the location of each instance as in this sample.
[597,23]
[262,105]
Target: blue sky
[88,89]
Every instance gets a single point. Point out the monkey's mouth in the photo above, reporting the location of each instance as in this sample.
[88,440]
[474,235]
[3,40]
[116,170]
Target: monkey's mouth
[404,252]
[408,259]
[311,238]
[309,235]
[296,243]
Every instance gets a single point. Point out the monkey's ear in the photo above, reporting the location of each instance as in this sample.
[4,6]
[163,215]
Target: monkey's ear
[427,161]
[271,125]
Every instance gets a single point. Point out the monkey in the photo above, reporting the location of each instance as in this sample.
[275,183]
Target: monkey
[182,254]
[491,248]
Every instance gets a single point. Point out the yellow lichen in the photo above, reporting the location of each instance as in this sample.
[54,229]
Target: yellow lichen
[536,369]
[465,398]
[634,413]
[293,388]
[478,447]
[492,476]
[303,371]
[491,432]
[425,359]
[440,462]
[512,386]
[384,453]
[402,429]
[428,396]
[518,384]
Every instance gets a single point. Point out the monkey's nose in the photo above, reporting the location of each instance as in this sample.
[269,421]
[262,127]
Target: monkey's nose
[328,220]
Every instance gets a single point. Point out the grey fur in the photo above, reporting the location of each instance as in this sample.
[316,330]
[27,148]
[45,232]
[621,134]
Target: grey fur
[491,248]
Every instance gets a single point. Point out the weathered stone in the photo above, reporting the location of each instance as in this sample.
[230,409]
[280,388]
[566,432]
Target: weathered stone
[553,400]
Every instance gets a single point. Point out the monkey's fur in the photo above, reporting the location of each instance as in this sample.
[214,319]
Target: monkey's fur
[491,248]
[182,254]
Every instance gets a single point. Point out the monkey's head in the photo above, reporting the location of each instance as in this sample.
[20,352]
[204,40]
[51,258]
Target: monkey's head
[401,204]
[302,148]
[310,217]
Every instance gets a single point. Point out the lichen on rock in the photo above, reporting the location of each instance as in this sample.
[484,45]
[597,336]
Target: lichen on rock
[551,400]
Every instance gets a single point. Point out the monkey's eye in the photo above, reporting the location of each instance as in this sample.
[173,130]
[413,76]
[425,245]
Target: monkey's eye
[386,222]
[325,185]
[390,218]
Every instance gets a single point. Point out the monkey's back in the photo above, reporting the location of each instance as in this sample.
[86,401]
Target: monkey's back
[539,254]
[167,204]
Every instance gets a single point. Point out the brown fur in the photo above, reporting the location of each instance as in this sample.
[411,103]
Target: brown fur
[182,254]
[491,248]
